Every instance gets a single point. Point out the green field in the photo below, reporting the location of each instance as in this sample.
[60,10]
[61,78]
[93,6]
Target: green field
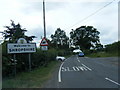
[33,79]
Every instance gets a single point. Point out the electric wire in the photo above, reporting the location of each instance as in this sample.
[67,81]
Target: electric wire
[91,14]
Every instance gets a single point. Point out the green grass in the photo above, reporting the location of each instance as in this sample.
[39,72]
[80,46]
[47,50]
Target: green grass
[68,56]
[33,79]
[103,54]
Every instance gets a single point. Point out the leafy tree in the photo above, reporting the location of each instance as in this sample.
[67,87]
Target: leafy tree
[99,47]
[59,39]
[85,36]
[14,32]
[114,47]
[11,35]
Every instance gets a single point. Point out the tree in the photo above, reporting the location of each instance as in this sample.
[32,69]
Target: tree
[14,32]
[59,38]
[85,36]
[11,35]
[112,48]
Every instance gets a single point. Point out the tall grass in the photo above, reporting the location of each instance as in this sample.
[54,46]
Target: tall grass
[33,79]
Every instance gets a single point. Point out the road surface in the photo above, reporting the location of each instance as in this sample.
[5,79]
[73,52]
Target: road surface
[84,72]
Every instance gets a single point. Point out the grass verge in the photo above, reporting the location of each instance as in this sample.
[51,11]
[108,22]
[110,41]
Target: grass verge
[103,54]
[33,79]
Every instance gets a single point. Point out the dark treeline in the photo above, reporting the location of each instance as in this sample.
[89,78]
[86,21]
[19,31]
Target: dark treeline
[87,37]
[39,58]
[113,48]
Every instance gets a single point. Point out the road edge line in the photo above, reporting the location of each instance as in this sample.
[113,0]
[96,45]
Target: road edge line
[59,73]
[112,81]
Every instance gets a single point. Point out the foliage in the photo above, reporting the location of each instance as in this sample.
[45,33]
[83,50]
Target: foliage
[34,79]
[11,35]
[110,50]
[59,39]
[86,36]
[102,54]
[38,59]
[113,48]
[14,32]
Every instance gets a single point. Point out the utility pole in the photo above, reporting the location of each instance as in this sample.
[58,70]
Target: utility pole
[44,19]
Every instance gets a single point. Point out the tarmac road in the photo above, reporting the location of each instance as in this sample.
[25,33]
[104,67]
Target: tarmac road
[84,72]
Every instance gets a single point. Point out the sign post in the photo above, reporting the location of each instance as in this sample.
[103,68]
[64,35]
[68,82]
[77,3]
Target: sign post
[29,62]
[15,64]
[44,48]
[21,47]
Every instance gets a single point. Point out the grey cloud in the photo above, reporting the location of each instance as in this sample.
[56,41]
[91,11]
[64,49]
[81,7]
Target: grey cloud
[55,5]
[39,32]
[108,35]
[49,31]
[30,7]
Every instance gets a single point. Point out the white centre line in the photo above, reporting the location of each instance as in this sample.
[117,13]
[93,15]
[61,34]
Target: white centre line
[78,59]
[59,74]
[112,81]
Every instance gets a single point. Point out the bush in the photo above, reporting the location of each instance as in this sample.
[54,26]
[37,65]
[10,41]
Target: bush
[38,59]
[113,48]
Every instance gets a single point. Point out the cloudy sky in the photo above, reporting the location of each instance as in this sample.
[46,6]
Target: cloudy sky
[64,14]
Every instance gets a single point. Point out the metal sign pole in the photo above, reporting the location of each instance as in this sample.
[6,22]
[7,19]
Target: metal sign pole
[29,61]
[15,64]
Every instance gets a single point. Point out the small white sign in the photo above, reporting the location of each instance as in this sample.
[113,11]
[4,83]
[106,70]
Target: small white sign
[44,48]
[21,48]
[21,41]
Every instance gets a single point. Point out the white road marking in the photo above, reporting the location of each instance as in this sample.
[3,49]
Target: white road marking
[112,81]
[84,68]
[81,68]
[59,74]
[69,69]
[87,67]
[74,68]
[78,59]
[77,69]
[64,69]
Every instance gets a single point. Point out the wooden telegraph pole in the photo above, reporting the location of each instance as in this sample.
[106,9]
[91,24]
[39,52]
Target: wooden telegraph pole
[44,19]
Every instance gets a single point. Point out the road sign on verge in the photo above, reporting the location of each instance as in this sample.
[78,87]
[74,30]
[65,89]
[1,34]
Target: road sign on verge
[21,48]
[44,48]
[44,42]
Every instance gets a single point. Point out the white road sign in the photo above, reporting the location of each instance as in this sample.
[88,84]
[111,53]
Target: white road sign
[44,42]
[44,48]
[21,48]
